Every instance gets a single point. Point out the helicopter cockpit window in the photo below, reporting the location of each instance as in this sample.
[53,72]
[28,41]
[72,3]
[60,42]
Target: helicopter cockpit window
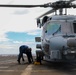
[53,28]
[74,25]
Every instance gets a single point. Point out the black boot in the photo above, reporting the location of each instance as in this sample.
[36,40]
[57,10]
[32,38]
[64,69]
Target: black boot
[18,62]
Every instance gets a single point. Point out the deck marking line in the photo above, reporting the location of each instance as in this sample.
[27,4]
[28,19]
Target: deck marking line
[28,70]
[3,67]
[11,71]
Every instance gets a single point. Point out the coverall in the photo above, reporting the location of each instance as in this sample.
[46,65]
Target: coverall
[22,49]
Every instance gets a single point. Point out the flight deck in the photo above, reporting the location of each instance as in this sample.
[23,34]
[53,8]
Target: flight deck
[9,66]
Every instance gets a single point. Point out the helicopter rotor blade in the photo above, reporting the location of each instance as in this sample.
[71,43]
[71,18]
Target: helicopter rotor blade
[23,6]
[48,12]
[73,5]
[71,1]
[53,5]
[56,5]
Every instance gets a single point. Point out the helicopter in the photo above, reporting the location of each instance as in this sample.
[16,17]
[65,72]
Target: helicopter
[58,39]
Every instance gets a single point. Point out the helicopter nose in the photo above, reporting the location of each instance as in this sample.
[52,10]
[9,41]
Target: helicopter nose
[71,42]
[56,43]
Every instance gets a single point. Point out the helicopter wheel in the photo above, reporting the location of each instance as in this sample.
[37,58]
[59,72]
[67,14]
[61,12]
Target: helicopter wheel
[39,56]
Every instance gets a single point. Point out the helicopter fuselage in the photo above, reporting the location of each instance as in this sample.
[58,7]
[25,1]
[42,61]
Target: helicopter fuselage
[58,40]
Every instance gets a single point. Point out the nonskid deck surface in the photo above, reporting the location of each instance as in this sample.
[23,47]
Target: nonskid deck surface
[9,66]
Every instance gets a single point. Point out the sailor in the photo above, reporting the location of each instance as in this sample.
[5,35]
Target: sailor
[22,49]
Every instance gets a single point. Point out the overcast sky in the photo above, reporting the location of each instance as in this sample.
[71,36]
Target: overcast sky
[18,25]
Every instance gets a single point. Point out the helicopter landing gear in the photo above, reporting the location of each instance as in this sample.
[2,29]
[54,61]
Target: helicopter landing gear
[39,56]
